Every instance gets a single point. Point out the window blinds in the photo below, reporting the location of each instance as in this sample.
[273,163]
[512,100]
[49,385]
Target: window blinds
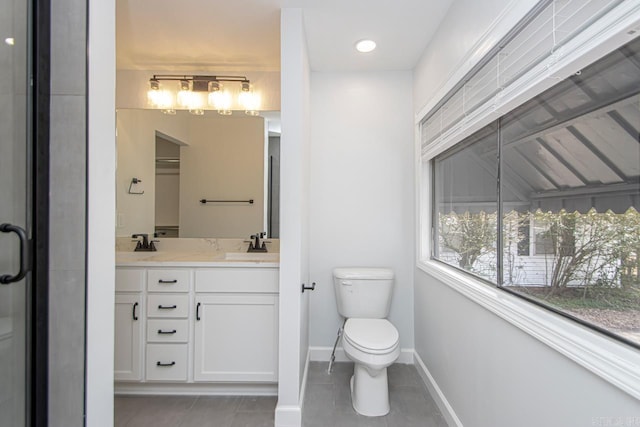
[538,41]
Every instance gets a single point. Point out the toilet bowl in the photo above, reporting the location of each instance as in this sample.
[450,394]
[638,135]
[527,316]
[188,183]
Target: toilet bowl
[373,345]
[363,297]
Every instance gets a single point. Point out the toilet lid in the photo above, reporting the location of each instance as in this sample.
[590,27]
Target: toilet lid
[371,335]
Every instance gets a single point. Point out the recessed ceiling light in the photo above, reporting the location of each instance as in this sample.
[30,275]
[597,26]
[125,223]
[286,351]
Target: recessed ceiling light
[10,41]
[365,46]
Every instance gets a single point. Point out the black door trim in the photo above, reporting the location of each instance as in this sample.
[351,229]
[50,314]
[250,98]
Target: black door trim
[40,65]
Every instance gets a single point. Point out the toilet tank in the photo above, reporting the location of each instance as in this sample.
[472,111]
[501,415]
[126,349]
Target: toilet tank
[363,292]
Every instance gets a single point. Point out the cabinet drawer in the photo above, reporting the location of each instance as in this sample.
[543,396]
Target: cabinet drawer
[166,362]
[168,280]
[260,280]
[167,330]
[168,305]
[129,279]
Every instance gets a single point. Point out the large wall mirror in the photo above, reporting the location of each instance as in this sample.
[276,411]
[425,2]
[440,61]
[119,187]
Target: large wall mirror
[168,164]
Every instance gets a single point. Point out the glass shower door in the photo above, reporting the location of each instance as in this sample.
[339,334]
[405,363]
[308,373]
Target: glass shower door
[15,190]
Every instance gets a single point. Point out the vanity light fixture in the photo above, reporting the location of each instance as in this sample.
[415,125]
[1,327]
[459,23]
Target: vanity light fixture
[365,46]
[197,93]
[10,41]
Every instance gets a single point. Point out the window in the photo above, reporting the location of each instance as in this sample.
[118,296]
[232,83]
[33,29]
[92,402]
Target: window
[467,204]
[544,201]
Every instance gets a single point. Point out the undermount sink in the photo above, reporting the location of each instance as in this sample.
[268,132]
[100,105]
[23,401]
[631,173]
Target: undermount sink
[251,256]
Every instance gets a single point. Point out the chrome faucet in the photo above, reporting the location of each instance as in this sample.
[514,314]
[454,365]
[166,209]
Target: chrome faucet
[145,245]
[255,245]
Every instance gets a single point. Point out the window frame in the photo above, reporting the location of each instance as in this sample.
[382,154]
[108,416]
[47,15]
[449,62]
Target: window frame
[616,362]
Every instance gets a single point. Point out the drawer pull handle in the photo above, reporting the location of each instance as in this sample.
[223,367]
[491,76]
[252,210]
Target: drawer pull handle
[198,311]
[135,315]
[167,281]
[167,307]
[161,332]
[165,364]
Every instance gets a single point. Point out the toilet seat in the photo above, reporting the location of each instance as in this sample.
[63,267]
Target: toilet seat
[371,336]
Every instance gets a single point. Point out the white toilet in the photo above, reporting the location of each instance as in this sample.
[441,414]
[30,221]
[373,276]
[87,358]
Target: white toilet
[363,296]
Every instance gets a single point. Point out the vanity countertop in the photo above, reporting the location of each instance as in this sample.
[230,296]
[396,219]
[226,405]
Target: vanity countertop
[194,252]
[197,259]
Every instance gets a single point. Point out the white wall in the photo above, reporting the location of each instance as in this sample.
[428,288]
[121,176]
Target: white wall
[461,41]
[294,241]
[490,372]
[101,163]
[495,375]
[361,204]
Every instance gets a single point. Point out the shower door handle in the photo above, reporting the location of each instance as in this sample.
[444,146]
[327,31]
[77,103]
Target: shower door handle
[5,279]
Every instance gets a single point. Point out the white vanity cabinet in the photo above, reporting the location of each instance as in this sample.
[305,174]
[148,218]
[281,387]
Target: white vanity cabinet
[236,325]
[168,313]
[185,329]
[129,312]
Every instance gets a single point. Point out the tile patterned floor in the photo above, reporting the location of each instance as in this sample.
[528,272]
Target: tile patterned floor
[327,404]
[194,411]
[328,399]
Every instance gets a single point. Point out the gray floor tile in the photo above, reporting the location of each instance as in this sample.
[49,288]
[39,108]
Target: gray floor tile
[257,403]
[318,400]
[211,411]
[401,374]
[317,374]
[162,411]
[253,419]
[327,404]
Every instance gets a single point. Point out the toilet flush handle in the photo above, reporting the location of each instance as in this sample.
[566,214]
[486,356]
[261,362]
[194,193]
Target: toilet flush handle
[346,283]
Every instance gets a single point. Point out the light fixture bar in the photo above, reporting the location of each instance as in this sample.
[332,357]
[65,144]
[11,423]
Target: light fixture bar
[190,92]
[200,83]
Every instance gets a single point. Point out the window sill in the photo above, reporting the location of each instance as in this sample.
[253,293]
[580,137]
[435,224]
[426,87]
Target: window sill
[613,361]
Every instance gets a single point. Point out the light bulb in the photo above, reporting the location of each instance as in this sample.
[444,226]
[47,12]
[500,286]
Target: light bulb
[191,100]
[250,101]
[365,46]
[159,98]
[185,98]
[220,100]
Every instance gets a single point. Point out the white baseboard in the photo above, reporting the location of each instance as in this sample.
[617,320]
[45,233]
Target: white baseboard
[196,389]
[303,386]
[443,404]
[323,354]
[288,416]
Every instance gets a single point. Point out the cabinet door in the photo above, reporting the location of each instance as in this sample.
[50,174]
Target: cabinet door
[236,338]
[128,335]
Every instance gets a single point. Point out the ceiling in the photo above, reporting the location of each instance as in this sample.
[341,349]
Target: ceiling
[242,35]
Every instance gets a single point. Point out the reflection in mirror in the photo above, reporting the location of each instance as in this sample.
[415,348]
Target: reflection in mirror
[167,212]
[181,159]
